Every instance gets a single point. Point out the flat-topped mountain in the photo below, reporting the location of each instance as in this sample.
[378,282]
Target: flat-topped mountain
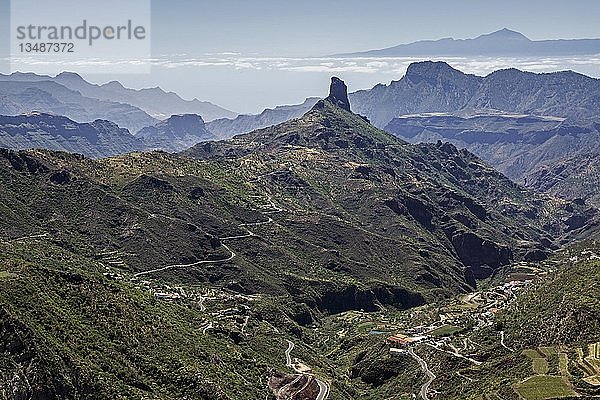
[176,133]
[504,42]
[515,144]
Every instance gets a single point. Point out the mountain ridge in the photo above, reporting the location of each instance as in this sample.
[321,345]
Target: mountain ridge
[100,138]
[502,42]
[334,132]
[225,128]
[17,97]
[430,86]
[155,101]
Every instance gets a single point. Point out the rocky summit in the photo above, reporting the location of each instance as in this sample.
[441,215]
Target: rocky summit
[338,93]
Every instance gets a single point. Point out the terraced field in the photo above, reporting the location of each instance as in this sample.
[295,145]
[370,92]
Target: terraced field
[541,387]
[556,375]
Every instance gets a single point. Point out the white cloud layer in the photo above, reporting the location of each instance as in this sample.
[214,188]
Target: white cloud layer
[366,65]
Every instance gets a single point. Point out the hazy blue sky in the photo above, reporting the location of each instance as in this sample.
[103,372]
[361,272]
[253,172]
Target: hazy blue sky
[317,27]
[275,37]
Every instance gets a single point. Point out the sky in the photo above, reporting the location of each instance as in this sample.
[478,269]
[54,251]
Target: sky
[312,28]
[248,55]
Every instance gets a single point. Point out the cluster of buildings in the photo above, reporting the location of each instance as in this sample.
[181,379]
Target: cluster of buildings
[168,296]
[484,305]
[402,340]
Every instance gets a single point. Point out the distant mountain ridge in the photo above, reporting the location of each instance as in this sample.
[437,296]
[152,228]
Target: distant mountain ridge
[514,144]
[100,138]
[154,101]
[437,87]
[433,87]
[519,122]
[224,128]
[176,133]
[96,139]
[18,97]
[504,42]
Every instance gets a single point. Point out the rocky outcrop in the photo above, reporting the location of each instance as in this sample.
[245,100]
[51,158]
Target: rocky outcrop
[469,220]
[338,93]
[22,162]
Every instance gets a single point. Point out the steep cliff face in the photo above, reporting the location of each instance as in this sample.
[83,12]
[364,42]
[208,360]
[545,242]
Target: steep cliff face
[293,387]
[426,87]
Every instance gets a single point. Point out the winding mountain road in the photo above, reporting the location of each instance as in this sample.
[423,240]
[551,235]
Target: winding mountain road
[323,386]
[502,342]
[246,319]
[39,236]
[207,327]
[323,390]
[288,357]
[152,271]
[223,260]
[454,353]
[427,371]
[201,303]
